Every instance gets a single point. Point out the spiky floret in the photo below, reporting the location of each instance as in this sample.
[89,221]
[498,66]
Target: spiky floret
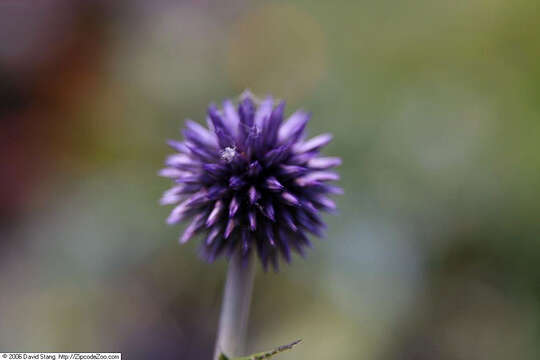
[250,182]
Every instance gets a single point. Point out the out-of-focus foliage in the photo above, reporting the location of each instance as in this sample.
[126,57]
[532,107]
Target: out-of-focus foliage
[434,106]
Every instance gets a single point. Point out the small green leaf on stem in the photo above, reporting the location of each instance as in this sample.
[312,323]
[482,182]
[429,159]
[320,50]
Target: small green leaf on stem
[264,355]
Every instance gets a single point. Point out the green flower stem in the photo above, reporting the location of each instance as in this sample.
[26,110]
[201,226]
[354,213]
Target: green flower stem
[234,316]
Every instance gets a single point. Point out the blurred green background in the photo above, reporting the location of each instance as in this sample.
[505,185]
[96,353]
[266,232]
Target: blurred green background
[434,105]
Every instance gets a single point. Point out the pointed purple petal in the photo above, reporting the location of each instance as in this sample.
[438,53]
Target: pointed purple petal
[276,155]
[253,141]
[233,206]
[178,146]
[273,184]
[287,217]
[224,137]
[178,213]
[231,118]
[294,127]
[192,228]
[196,133]
[180,161]
[188,179]
[290,199]
[201,152]
[330,189]
[252,221]
[294,241]
[212,235]
[290,171]
[198,199]
[253,195]
[214,170]
[262,115]
[230,227]
[314,144]
[172,196]
[236,182]
[254,168]
[271,126]
[308,224]
[325,202]
[246,110]
[302,159]
[171,173]
[269,233]
[312,212]
[323,163]
[216,191]
[214,214]
[268,211]
[316,177]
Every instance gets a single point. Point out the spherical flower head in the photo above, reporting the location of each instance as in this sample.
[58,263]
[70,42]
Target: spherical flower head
[250,182]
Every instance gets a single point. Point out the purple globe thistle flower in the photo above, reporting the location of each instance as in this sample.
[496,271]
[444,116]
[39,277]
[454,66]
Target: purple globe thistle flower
[250,182]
